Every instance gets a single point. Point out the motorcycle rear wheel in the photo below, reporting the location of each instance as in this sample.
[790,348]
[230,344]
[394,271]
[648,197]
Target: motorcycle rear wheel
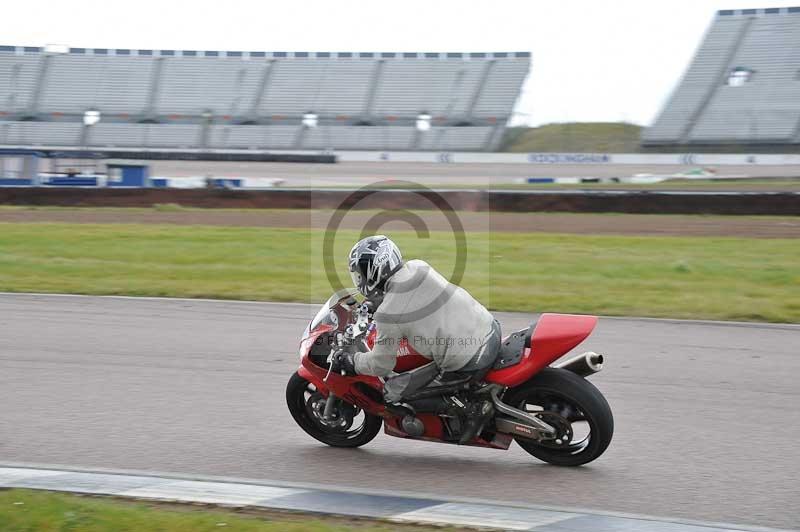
[298,391]
[560,396]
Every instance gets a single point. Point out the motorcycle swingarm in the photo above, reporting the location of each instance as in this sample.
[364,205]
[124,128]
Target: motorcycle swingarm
[522,423]
[516,428]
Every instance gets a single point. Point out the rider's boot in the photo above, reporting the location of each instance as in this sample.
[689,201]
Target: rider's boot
[477,415]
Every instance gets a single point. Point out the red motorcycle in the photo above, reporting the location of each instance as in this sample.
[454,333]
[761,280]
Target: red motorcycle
[552,412]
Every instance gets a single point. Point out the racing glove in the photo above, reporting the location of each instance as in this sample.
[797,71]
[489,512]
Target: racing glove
[344,363]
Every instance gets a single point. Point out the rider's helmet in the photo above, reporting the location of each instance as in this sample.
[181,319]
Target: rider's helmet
[373,260]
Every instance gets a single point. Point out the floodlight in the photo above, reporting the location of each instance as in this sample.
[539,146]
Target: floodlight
[91,117]
[56,48]
[310,120]
[739,76]
[423,122]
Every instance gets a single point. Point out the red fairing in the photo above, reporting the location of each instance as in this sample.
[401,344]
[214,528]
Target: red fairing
[408,358]
[341,386]
[409,362]
[344,386]
[434,431]
[554,336]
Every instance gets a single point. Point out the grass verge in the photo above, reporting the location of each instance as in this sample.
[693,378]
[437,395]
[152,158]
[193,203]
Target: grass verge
[710,278]
[597,137]
[28,510]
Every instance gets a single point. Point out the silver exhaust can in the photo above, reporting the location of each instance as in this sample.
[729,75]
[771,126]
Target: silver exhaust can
[584,364]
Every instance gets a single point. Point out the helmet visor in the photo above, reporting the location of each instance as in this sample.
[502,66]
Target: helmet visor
[357,282]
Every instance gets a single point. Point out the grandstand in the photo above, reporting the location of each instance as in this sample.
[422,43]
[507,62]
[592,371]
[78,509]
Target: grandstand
[215,100]
[742,87]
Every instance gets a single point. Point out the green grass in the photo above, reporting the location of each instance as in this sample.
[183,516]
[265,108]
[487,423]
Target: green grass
[38,511]
[713,278]
[608,137]
[597,137]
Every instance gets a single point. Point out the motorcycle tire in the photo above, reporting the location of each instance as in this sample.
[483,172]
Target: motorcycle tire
[561,384]
[296,401]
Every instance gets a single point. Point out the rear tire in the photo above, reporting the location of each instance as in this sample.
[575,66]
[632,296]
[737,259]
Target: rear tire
[562,386]
[296,400]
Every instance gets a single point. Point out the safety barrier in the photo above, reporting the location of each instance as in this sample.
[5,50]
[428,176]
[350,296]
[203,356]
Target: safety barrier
[643,202]
[587,159]
[434,157]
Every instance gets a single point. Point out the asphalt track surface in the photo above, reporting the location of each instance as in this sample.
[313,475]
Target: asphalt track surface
[476,174]
[706,413]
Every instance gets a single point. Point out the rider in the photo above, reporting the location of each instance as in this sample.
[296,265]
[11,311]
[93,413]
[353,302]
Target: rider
[438,319]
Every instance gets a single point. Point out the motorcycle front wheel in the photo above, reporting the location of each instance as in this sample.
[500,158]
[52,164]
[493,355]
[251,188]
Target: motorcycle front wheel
[573,406]
[349,427]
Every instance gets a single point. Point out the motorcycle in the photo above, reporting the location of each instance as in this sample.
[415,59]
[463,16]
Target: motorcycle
[551,411]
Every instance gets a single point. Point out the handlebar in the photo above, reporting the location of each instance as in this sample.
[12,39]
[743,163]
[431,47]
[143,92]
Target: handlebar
[363,314]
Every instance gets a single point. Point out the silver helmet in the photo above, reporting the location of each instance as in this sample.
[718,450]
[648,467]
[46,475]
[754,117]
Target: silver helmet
[372,261]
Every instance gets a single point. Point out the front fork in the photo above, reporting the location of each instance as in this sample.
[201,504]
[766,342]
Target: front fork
[332,401]
[353,331]
[330,405]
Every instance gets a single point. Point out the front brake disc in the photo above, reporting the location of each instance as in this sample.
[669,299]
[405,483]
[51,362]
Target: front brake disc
[341,417]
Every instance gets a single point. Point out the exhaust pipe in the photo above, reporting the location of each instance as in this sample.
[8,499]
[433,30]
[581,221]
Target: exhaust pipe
[584,365]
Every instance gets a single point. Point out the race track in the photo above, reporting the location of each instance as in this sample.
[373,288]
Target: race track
[358,174]
[707,424]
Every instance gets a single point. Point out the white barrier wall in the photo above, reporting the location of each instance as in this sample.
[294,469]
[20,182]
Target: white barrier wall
[588,159]
[685,159]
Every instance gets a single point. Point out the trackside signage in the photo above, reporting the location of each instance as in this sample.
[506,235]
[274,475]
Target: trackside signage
[680,159]
[569,158]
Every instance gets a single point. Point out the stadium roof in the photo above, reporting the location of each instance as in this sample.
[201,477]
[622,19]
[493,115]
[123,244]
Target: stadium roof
[267,55]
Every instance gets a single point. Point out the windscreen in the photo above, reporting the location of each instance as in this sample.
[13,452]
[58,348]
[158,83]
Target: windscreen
[326,315]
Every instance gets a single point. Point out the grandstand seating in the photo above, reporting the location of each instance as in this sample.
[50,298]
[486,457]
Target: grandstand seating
[40,133]
[743,86]
[361,137]
[256,100]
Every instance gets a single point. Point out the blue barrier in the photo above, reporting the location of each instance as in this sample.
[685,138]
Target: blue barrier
[227,183]
[14,182]
[128,175]
[139,180]
[164,182]
[71,182]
